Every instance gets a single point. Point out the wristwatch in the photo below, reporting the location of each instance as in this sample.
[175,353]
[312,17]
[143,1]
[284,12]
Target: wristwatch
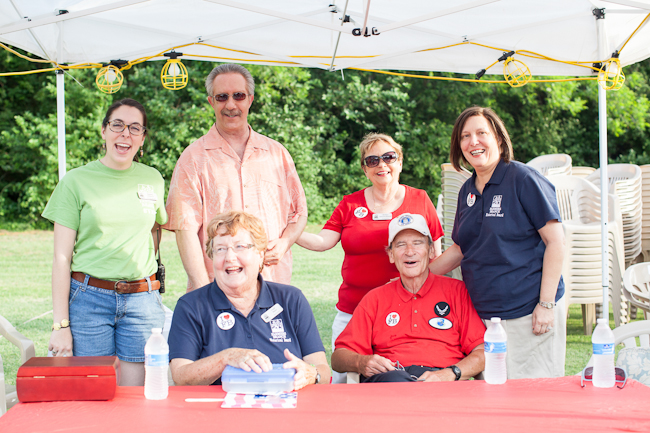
[64,324]
[549,305]
[317,375]
[456,371]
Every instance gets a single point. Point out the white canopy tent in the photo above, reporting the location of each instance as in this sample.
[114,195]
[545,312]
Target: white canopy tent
[552,37]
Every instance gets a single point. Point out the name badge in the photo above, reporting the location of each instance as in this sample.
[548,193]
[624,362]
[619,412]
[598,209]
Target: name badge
[382,216]
[272,312]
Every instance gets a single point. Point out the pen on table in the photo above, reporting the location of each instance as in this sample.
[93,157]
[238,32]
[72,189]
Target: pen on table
[203,400]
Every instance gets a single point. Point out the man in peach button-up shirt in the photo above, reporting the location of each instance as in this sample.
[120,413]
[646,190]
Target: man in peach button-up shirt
[233,167]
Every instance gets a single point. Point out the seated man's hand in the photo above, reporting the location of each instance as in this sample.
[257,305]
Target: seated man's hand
[248,359]
[444,375]
[374,364]
[305,373]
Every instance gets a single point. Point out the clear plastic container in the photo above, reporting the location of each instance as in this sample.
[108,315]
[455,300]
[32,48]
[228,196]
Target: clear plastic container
[277,380]
[496,345]
[156,365]
[603,355]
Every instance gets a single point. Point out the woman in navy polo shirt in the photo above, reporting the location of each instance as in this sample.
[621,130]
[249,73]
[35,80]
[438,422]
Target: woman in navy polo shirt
[240,319]
[509,242]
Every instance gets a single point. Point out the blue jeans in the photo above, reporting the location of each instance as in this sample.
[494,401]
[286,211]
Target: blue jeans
[105,323]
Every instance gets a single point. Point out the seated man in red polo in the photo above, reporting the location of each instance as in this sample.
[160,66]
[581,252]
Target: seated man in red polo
[421,327]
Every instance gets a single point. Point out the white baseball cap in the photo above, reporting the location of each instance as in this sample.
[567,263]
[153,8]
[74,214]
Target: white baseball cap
[408,221]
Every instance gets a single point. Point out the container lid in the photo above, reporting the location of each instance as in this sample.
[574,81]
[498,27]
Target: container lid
[495,319]
[278,374]
[602,320]
[69,366]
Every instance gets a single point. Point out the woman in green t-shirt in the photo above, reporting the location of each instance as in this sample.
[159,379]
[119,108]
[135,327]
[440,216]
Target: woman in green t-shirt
[104,289]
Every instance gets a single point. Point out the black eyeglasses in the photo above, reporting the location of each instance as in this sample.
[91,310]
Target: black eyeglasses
[373,160]
[223,97]
[119,126]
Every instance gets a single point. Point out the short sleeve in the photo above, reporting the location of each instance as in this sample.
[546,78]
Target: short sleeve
[64,207]
[538,199]
[185,335]
[335,223]
[184,201]
[306,329]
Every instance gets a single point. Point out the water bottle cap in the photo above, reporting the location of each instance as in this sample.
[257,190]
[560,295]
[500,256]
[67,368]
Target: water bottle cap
[603,321]
[156,330]
[495,319]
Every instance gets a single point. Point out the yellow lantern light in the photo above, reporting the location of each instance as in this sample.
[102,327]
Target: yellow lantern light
[174,74]
[516,72]
[611,75]
[109,79]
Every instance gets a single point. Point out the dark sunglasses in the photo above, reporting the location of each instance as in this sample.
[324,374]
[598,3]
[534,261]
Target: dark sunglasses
[373,160]
[223,97]
[588,375]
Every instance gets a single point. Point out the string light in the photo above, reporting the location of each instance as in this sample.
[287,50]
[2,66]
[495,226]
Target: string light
[610,76]
[174,74]
[109,79]
[516,72]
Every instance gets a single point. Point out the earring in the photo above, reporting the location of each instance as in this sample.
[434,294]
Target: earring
[104,145]
[141,152]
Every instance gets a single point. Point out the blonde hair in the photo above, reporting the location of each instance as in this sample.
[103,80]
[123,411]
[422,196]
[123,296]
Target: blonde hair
[233,221]
[370,139]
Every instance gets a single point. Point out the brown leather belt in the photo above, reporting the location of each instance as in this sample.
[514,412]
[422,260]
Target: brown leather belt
[121,287]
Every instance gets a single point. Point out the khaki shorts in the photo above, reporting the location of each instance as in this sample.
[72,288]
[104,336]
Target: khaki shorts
[531,356]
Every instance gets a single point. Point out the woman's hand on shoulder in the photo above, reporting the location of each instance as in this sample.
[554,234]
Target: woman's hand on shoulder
[61,342]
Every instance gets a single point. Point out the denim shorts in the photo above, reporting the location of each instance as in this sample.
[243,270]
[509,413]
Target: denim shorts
[105,323]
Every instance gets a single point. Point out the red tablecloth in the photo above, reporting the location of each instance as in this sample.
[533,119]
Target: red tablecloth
[531,405]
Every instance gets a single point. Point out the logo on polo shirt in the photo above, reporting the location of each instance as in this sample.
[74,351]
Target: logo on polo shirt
[442,309]
[392,319]
[440,323]
[277,332]
[471,199]
[360,212]
[225,321]
[495,209]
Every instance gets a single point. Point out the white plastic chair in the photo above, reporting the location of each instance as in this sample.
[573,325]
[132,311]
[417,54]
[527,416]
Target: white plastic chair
[579,203]
[627,334]
[636,286]
[581,171]
[551,165]
[452,181]
[8,397]
[645,219]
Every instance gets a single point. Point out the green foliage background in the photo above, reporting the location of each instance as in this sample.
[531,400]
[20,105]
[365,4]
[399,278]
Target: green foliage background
[319,116]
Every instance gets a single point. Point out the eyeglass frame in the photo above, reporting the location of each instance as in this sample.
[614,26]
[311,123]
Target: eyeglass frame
[388,159]
[588,374]
[228,96]
[110,124]
[215,251]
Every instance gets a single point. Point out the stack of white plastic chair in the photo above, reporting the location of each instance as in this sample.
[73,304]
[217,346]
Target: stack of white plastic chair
[551,165]
[452,181]
[636,286]
[645,219]
[579,203]
[625,182]
[581,171]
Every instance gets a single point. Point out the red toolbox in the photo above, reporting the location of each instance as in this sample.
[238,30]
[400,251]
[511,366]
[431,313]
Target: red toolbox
[68,378]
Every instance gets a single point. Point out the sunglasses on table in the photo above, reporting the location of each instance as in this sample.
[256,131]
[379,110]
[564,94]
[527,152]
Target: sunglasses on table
[619,373]
[223,97]
[373,160]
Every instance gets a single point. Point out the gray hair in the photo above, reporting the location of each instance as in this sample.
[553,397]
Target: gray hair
[230,68]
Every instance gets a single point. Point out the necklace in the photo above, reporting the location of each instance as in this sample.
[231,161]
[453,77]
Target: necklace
[376,206]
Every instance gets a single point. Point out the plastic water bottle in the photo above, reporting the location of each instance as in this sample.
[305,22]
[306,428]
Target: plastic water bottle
[156,363]
[496,342]
[603,346]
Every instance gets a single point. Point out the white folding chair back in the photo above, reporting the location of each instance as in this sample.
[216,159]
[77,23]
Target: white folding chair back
[636,286]
[551,165]
[8,396]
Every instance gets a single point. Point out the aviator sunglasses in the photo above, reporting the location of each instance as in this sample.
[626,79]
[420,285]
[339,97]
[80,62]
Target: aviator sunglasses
[373,160]
[223,97]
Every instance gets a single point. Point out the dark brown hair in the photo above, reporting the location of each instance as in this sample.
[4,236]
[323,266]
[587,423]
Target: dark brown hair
[456,156]
[129,103]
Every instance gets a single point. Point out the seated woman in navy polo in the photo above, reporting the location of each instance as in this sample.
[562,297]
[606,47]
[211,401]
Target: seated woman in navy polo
[240,319]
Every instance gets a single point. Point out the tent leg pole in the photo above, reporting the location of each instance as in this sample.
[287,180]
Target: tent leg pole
[60,120]
[604,193]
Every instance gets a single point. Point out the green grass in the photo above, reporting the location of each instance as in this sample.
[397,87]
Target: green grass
[25,293]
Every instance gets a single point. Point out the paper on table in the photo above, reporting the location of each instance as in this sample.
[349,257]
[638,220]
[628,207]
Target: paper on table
[261,401]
